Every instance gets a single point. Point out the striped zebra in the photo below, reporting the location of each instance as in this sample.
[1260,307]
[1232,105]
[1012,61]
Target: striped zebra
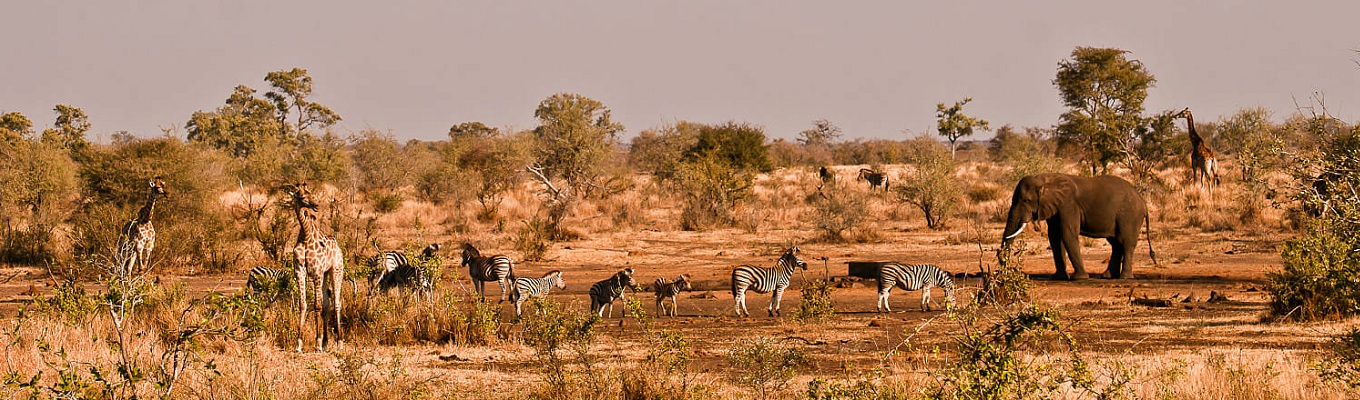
[913,277]
[765,280]
[407,277]
[264,279]
[603,293]
[389,261]
[670,290]
[495,268]
[526,288]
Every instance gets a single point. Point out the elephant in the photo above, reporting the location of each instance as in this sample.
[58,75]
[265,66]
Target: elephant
[1104,207]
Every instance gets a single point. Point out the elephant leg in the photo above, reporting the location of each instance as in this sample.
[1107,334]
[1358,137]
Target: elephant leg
[1116,265]
[1126,259]
[1059,255]
[1072,243]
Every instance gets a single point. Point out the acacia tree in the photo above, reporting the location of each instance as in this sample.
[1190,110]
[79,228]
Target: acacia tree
[14,126]
[1104,92]
[240,127]
[953,124]
[575,136]
[68,132]
[291,89]
[823,133]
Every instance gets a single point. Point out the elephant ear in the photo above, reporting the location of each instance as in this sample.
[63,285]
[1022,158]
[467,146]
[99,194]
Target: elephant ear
[1055,192]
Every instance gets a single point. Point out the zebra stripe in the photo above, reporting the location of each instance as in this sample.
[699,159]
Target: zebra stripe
[264,279]
[913,277]
[670,290]
[603,293]
[407,277]
[496,268]
[526,288]
[765,280]
[384,263]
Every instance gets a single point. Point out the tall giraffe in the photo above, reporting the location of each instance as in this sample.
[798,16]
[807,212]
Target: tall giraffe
[138,236]
[1203,164]
[318,258]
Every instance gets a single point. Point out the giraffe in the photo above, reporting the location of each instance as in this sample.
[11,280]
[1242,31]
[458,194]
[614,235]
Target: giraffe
[1203,164]
[139,236]
[318,259]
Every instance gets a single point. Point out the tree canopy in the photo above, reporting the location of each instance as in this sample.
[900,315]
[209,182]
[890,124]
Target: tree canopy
[1104,91]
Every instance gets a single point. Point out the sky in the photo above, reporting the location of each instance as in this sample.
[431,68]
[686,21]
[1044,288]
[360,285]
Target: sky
[874,68]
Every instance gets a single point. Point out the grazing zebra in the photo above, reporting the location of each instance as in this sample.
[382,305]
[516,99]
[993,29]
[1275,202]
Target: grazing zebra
[826,175]
[603,293]
[495,268]
[670,290]
[407,277]
[391,260]
[765,280]
[913,277]
[264,279]
[526,288]
[874,178]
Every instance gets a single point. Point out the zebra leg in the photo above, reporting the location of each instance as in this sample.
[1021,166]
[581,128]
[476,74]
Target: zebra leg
[882,305]
[925,298]
[774,302]
[675,307]
[477,284]
[739,300]
[501,282]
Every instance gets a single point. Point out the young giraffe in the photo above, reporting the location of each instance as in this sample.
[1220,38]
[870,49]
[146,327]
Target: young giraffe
[139,237]
[318,258]
[1203,164]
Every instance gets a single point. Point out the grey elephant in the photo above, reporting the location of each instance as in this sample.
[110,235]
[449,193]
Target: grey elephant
[1104,207]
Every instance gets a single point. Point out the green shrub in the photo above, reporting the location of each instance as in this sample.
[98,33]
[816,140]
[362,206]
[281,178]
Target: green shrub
[815,301]
[533,240]
[710,189]
[562,339]
[1344,364]
[932,186]
[766,366]
[835,210]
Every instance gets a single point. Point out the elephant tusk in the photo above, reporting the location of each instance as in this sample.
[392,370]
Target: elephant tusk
[1018,231]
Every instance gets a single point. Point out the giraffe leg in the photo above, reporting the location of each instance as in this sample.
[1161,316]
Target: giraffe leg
[319,302]
[338,283]
[302,306]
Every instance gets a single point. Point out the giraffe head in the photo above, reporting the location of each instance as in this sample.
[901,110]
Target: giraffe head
[158,188]
[1184,113]
[302,197]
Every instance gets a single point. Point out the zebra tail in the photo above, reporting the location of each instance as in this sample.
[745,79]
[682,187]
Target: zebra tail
[734,283]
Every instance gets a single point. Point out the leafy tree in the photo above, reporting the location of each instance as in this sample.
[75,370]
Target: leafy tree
[1104,92]
[472,129]
[14,126]
[659,150]
[933,185]
[40,188]
[823,132]
[953,124]
[68,132]
[575,136]
[380,161]
[291,89]
[740,145]
[1254,141]
[241,126]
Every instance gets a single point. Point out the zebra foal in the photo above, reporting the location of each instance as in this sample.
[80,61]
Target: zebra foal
[603,293]
[913,277]
[526,288]
[670,290]
[264,279]
[765,280]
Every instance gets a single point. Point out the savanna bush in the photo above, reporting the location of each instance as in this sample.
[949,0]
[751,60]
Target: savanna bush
[39,189]
[765,365]
[932,186]
[835,210]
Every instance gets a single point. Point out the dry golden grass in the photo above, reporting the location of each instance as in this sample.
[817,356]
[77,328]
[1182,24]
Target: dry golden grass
[401,348]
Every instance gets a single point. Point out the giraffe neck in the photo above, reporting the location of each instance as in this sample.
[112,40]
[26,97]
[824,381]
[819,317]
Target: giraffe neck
[308,230]
[1195,140]
[144,215]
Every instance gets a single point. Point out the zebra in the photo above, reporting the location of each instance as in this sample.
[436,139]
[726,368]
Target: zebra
[826,175]
[409,277]
[765,280]
[391,260]
[496,268]
[874,178]
[603,293]
[525,288]
[913,277]
[264,279]
[672,290]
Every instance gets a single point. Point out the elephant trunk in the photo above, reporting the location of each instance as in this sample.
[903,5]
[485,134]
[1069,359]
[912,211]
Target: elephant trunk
[1015,225]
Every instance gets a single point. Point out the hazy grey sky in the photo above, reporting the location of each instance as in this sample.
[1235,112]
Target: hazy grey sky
[874,68]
